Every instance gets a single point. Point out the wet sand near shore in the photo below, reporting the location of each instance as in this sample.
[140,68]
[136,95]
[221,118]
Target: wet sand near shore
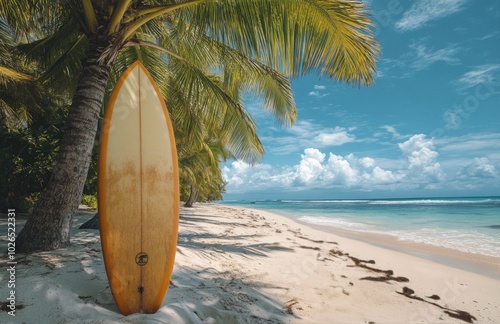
[481,264]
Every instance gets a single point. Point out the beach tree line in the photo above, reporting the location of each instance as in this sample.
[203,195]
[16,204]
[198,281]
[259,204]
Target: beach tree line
[60,59]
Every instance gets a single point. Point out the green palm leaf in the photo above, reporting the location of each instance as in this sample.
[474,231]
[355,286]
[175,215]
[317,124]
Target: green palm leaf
[331,37]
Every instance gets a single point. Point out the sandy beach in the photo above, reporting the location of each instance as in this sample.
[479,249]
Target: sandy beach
[238,265]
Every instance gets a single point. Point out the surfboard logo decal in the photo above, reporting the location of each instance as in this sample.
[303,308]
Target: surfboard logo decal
[141,258]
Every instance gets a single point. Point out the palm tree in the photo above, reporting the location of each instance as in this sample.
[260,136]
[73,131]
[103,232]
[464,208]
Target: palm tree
[200,169]
[82,40]
[21,98]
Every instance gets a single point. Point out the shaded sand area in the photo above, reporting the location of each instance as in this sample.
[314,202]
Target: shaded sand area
[237,265]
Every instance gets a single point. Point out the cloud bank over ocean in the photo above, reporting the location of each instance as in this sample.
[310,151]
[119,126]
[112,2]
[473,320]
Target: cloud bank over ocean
[418,167]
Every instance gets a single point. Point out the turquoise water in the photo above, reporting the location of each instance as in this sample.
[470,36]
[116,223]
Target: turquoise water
[465,224]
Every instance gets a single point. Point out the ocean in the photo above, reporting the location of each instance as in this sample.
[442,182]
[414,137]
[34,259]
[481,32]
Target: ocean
[470,224]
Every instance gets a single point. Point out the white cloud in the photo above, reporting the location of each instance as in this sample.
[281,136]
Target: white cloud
[387,66]
[490,35]
[419,57]
[302,128]
[336,138]
[479,168]
[482,74]
[258,177]
[421,157]
[395,134]
[381,176]
[342,170]
[472,143]
[417,168]
[316,93]
[424,57]
[314,170]
[310,166]
[307,134]
[234,176]
[240,166]
[424,11]
[314,154]
[367,162]
[418,150]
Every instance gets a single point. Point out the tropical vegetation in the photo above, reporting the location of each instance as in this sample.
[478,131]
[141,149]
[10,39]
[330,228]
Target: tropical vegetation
[205,56]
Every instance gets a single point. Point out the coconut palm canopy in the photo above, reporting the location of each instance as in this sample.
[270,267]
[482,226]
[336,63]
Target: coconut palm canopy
[20,97]
[204,55]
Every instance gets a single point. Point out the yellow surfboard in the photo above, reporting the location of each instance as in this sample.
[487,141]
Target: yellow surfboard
[138,193]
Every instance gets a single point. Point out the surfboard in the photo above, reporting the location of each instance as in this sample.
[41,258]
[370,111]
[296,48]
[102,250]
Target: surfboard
[138,193]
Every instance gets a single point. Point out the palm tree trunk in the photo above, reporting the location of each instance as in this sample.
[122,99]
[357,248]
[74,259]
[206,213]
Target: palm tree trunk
[49,226]
[193,197]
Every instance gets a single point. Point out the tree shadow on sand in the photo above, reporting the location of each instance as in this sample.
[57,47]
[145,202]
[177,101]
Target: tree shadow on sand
[204,242]
[70,284]
[200,243]
[222,297]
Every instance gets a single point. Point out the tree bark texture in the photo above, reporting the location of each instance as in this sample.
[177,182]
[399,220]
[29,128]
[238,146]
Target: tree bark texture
[49,226]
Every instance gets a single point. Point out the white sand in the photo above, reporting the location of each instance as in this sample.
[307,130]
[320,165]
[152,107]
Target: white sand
[238,265]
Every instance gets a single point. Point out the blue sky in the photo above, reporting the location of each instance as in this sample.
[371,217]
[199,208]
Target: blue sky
[429,126]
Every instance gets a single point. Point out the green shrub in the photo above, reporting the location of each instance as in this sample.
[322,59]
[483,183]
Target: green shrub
[89,200]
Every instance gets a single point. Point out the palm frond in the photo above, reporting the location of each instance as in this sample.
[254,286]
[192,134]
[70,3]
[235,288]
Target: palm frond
[90,16]
[332,37]
[6,42]
[32,19]
[150,13]
[59,55]
[10,75]
[205,92]
[64,72]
